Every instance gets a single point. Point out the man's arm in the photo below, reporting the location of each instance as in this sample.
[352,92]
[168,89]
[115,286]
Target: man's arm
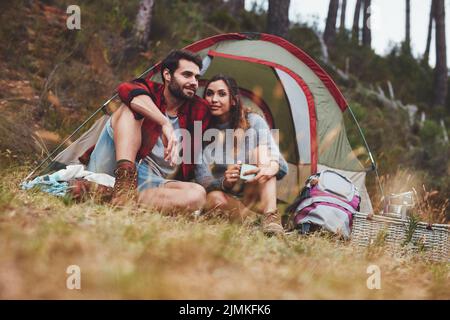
[144,105]
[137,96]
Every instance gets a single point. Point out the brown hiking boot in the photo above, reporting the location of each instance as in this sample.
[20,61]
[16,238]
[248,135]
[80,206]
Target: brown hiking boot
[82,190]
[271,224]
[125,186]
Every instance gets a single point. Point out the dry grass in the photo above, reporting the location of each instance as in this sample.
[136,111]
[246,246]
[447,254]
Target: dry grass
[145,255]
[431,206]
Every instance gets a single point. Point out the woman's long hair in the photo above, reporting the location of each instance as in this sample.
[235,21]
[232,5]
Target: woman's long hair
[239,114]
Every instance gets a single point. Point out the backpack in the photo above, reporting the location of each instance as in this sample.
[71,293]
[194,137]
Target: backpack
[328,201]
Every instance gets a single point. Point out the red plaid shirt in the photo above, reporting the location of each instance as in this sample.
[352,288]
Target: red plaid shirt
[192,110]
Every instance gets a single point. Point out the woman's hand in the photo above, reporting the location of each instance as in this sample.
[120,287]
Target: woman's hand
[170,143]
[231,175]
[264,172]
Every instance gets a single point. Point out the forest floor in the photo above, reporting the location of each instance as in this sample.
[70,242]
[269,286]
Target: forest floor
[139,254]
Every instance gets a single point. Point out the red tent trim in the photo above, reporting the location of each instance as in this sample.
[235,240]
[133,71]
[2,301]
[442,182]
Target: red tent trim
[305,88]
[313,65]
[297,52]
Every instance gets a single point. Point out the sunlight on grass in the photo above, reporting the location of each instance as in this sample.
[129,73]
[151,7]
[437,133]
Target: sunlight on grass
[139,254]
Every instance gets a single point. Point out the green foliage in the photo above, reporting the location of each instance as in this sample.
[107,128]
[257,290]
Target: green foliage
[187,23]
[254,20]
[413,222]
[223,20]
[430,132]
[412,81]
[381,237]
[306,39]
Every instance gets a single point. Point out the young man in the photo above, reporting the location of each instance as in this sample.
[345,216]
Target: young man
[142,130]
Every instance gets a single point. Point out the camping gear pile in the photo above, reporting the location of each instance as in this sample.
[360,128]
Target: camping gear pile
[75,182]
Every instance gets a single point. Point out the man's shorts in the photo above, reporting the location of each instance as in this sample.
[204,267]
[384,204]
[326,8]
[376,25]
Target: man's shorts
[103,160]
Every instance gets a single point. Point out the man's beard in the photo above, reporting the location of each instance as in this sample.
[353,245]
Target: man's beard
[177,91]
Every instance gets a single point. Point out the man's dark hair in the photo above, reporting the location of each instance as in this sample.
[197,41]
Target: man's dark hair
[172,60]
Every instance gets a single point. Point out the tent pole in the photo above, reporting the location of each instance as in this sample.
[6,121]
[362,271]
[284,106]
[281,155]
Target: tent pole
[374,166]
[80,127]
[69,137]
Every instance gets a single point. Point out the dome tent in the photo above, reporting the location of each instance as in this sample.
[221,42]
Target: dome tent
[292,92]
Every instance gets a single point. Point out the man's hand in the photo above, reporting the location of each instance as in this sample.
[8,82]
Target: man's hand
[232,175]
[264,172]
[170,143]
[145,106]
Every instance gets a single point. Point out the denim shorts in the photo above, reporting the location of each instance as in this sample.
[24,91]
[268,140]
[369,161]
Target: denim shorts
[147,179]
[103,160]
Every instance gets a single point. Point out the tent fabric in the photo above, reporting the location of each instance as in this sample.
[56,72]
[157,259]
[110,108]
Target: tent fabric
[300,112]
[305,89]
[267,89]
[323,76]
[322,103]
[70,155]
[359,180]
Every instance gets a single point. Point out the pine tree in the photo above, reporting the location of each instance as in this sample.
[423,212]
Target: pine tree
[343,11]
[278,17]
[407,44]
[356,18]
[143,22]
[329,36]
[367,33]
[426,55]
[236,7]
[440,71]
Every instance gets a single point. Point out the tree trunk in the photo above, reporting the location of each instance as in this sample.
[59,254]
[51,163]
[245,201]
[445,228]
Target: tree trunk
[440,71]
[343,11]
[143,22]
[408,27]
[367,33]
[329,36]
[236,7]
[278,17]
[426,55]
[356,17]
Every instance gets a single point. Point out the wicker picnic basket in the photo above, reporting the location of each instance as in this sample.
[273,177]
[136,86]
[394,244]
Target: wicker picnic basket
[433,240]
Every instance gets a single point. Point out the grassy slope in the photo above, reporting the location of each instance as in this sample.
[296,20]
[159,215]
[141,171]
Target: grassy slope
[141,254]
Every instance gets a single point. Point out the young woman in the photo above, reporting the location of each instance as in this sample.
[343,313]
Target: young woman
[226,189]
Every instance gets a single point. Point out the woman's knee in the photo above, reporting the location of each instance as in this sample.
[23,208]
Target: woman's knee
[195,194]
[216,199]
